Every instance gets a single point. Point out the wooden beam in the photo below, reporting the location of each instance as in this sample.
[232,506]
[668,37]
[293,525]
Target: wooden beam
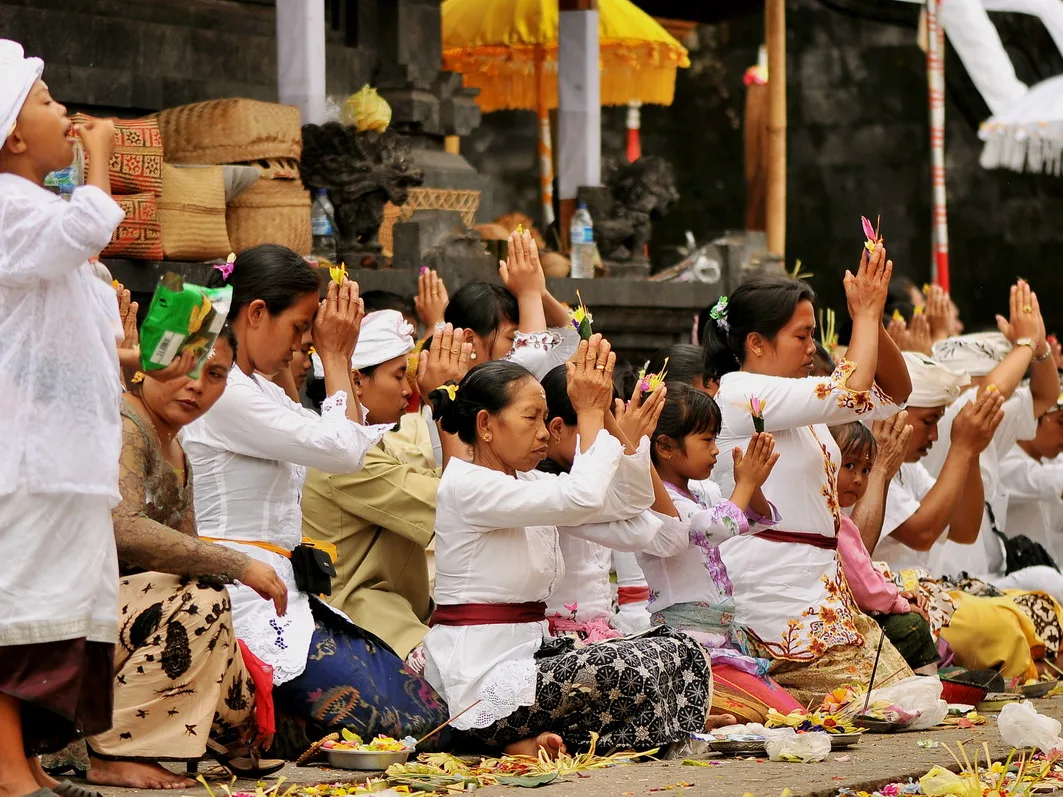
[775,33]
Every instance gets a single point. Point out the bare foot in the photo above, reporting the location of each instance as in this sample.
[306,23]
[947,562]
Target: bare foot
[134,775]
[550,742]
[714,721]
[44,780]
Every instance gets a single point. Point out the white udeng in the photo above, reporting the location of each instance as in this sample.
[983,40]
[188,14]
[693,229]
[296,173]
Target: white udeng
[482,557]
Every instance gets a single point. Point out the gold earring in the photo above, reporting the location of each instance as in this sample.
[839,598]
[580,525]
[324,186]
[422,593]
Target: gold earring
[487,438]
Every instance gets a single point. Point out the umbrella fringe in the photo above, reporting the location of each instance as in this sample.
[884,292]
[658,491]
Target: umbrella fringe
[1017,150]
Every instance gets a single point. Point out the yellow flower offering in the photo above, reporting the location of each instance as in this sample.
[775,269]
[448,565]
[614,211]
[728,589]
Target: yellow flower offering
[367,110]
[338,273]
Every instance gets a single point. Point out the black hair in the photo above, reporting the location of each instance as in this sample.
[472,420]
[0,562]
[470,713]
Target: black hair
[902,306]
[482,307]
[763,305]
[687,411]
[229,336]
[386,300]
[558,404]
[686,363]
[823,363]
[488,386]
[853,439]
[270,272]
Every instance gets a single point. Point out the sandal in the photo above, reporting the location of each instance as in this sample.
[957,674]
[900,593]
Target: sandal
[68,788]
[244,766]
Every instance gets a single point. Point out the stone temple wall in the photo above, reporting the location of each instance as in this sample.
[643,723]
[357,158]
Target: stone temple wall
[858,143]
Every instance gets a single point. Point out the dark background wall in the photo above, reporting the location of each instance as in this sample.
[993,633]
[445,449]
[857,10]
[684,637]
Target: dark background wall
[858,137]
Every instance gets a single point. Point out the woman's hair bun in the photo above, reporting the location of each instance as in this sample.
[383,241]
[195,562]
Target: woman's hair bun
[444,408]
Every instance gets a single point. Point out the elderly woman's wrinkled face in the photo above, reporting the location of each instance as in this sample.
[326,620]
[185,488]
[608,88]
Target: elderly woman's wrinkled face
[183,400]
[516,436]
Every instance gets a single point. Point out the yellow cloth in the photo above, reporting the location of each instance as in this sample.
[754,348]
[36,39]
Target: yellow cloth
[993,634]
[381,519]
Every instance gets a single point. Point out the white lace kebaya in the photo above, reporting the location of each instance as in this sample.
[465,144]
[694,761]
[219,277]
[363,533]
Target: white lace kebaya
[249,456]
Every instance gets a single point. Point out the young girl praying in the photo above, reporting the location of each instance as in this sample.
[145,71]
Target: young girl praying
[903,616]
[684,452]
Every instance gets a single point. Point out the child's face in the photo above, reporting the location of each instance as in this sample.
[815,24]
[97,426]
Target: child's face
[301,362]
[852,478]
[41,132]
[698,458]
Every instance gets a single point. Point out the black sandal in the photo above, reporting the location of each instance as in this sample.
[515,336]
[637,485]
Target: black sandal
[68,788]
[244,763]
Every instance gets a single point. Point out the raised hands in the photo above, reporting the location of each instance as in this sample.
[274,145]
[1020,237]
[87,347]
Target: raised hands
[590,376]
[431,300]
[521,272]
[977,422]
[447,360]
[939,313]
[1024,316]
[865,292]
[127,311]
[638,418]
[753,468]
[915,336]
[891,439]
[338,322]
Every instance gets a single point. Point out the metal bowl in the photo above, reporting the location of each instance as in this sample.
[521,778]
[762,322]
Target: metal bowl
[843,741]
[1040,689]
[366,760]
[746,747]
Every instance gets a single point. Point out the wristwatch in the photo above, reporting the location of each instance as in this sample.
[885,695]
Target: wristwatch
[1027,342]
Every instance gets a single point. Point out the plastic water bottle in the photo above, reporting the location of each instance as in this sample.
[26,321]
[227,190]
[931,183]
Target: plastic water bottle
[321,216]
[582,236]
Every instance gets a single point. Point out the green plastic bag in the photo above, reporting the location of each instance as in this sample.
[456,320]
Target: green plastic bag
[182,316]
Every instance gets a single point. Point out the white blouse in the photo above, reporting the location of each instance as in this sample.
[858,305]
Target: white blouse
[1035,506]
[541,352]
[482,557]
[59,376]
[249,456]
[584,593]
[707,521]
[791,596]
[986,557]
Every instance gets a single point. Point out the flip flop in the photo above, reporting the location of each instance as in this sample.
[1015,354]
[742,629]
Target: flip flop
[68,788]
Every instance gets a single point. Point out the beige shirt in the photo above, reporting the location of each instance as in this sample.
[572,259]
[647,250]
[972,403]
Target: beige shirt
[381,519]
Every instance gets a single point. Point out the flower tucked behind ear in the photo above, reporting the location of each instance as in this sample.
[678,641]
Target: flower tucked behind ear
[227,267]
[137,378]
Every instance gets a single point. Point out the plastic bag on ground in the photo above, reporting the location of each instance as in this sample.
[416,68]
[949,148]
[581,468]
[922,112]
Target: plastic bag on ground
[939,782]
[920,696]
[1022,726]
[784,744]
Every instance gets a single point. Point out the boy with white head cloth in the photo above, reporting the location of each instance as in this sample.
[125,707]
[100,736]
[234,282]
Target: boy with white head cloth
[60,423]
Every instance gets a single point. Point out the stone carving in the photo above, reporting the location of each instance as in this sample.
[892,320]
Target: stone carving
[362,171]
[634,195]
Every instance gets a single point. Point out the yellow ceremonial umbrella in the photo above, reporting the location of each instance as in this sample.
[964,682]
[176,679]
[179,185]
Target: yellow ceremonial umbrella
[508,50]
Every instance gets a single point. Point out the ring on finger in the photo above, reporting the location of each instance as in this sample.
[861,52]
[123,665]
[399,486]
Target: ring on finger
[599,367]
[1026,308]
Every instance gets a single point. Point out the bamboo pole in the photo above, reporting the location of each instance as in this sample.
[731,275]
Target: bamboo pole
[775,35]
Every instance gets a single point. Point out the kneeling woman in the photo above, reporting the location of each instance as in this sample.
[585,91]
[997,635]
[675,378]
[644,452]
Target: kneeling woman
[180,677]
[498,560]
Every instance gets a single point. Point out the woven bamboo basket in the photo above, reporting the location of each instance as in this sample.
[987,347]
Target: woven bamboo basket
[192,213]
[465,202]
[232,130]
[273,212]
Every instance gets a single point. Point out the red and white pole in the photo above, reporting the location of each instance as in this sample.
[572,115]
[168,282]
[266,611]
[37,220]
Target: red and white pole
[634,122]
[935,71]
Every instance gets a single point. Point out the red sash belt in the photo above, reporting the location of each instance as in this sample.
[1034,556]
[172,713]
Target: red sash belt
[488,613]
[815,540]
[626,595]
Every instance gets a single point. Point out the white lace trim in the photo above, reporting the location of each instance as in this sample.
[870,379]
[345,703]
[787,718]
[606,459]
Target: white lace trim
[336,403]
[509,686]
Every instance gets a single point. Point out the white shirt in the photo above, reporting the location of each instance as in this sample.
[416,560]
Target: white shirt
[249,456]
[988,558]
[483,557]
[781,589]
[1035,508]
[587,550]
[905,495]
[707,521]
[59,378]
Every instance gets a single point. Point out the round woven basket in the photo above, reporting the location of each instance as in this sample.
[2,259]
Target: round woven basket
[271,211]
[230,131]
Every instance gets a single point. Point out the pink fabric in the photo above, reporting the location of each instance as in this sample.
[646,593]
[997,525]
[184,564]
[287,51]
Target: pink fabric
[596,630]
[873,592]
[262,677]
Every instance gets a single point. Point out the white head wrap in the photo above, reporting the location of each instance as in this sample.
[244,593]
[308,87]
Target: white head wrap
[17,76]
[933,385]
[977,354]
[385,335]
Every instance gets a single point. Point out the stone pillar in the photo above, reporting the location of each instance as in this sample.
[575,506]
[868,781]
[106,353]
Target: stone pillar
[301,57]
